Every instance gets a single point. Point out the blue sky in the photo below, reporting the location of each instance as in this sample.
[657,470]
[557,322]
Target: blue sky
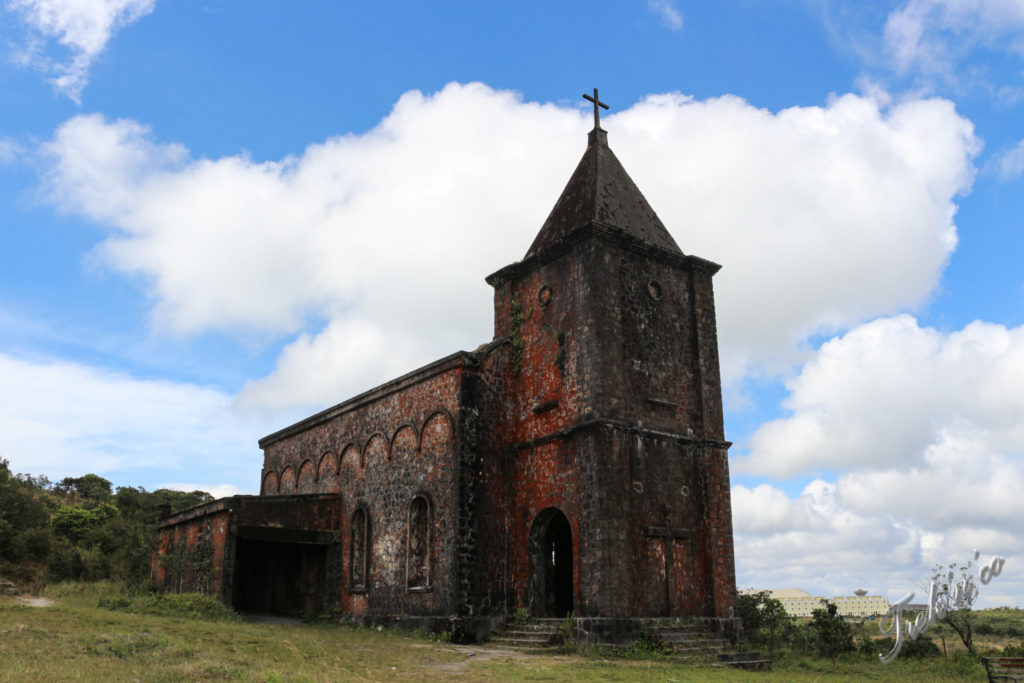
[216,218]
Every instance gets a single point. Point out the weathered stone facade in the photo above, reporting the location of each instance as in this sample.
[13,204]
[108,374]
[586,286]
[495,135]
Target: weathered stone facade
[576,463]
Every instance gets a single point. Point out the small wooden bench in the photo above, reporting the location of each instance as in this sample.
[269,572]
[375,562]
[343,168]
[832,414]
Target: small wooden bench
[1005,668]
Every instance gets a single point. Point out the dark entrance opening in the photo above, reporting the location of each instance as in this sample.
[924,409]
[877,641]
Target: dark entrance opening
[551,550]
[279,577]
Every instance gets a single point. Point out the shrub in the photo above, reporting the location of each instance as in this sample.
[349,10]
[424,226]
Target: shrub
[65,563]
[911,649]
[187,605]
[919,648]
[870,647]
[649,644]
[35,544]
[831,635]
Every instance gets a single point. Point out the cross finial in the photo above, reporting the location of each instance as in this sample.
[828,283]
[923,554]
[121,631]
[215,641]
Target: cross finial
[597,103]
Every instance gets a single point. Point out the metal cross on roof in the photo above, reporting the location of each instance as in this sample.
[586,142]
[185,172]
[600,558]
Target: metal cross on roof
[597,103]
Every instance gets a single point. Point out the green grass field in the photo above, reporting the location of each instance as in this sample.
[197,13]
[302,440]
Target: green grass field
[159,639]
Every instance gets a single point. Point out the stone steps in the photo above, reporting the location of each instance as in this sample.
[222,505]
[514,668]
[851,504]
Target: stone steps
[689,639]
[545,635]
[536,635]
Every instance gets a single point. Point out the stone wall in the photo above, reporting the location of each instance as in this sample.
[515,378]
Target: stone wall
[196,549]
[380,452]
[602,398]
[191,550]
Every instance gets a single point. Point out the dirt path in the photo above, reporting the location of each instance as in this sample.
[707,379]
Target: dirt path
[473,653]
[34,602]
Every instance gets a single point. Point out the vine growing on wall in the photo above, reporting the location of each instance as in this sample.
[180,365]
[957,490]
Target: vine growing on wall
[190,569]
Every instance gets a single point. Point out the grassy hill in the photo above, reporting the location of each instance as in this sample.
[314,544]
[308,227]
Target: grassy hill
[98,631]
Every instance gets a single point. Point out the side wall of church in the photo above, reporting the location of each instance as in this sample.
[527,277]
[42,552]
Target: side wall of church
[393,458]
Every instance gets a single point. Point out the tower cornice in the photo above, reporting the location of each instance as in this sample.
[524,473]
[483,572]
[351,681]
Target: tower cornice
[610,234]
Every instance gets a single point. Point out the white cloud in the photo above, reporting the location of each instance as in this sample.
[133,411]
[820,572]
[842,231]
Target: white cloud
[958,485]
[821,216]
[667,12]
[84,27]
[63,419]
[1011,164]
[765,509]
[891,393]
[812,543]
[933,37]
[825,544]
[376,245]
[357,353]
[925,427]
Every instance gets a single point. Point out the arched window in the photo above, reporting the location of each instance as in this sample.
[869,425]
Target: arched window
[417,558]
[359,556]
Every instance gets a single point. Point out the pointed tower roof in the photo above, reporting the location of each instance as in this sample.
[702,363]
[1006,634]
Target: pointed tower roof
[600,192]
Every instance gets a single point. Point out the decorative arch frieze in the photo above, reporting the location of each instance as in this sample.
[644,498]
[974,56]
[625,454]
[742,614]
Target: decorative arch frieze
[327,474]
[271,486]
[306,480]
[375,452]
[351,463]
[437,434]
[404,444]
[287,481]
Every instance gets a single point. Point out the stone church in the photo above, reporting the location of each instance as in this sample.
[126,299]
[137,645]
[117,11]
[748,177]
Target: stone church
[576,463]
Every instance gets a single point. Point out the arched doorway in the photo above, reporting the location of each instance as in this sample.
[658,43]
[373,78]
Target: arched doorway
[551,588]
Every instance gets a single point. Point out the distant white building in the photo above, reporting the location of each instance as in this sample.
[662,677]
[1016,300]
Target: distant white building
[798,603]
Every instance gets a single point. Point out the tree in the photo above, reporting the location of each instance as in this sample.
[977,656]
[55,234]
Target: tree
[831,634]
[140,505]
[761,611]
[22,511]
[79,529]
[958,599]
[773,616]
[87,487]
[748,609]
[76,524]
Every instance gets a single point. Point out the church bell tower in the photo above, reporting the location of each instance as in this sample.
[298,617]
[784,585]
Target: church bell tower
[613,418]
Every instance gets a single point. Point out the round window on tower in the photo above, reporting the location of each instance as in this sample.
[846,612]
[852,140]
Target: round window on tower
[654,290]
[544,295]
